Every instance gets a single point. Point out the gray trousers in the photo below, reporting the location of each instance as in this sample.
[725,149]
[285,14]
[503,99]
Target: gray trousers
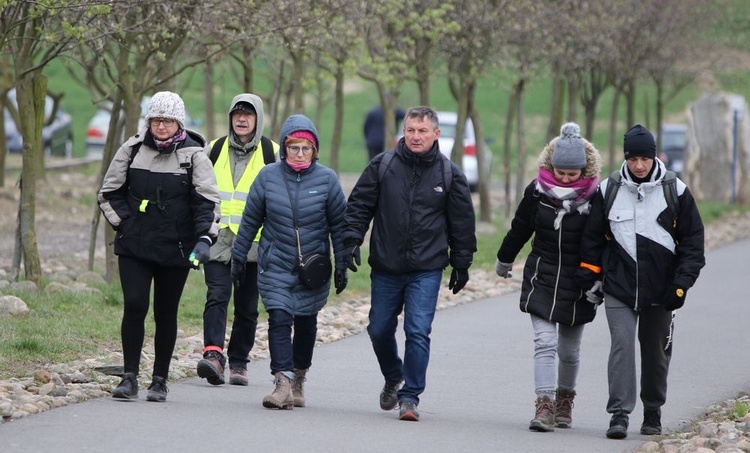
[655,329]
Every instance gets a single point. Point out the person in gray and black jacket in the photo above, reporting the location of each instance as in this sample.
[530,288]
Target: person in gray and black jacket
[648,254]
[160,194]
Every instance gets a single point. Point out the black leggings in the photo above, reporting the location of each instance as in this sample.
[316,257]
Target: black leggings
[136,277]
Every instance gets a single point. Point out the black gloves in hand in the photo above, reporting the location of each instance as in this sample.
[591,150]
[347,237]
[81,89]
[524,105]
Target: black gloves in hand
[238,272]
[340,280]
[675,298]
[351,256]
[201,252]
[459,278]
[595,295]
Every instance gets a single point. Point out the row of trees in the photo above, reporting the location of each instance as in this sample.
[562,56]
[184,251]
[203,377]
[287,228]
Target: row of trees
[126,49]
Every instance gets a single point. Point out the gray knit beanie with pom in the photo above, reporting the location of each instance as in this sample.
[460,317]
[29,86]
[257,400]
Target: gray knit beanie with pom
[569,153]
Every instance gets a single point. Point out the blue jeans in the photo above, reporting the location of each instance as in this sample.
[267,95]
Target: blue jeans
[416,295]
[291,352]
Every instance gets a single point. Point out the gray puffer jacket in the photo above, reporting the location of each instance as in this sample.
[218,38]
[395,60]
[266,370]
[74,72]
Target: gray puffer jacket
[320,215]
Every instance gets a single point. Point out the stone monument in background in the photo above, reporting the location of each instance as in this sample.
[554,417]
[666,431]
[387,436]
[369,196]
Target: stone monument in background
[717,154]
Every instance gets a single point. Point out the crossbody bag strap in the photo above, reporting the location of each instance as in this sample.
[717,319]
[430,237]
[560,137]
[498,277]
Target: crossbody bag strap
[293,202]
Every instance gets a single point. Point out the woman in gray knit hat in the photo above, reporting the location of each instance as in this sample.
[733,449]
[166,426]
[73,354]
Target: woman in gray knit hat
[554,209]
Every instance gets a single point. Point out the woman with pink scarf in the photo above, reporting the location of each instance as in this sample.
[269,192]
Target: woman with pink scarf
[555,208]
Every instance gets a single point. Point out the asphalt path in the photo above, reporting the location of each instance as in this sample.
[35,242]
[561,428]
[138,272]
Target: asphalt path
[480,391]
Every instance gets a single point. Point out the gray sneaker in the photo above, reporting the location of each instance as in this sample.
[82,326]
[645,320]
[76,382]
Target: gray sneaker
[388,396]
[618,426]
[158,390]
[408,411]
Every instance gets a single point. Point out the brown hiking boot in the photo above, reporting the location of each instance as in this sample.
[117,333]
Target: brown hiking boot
[237,375]
[544,420]
[282,397]
[564,408]
[211,369]
[298,388]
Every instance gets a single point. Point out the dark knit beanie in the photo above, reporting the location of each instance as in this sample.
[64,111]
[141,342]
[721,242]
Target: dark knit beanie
[639,142]
[569,153]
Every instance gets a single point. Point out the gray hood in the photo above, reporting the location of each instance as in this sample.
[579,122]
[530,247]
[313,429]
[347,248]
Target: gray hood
[257,103]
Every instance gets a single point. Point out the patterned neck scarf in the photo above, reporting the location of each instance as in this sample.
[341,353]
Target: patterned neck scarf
[162,145]
[566,197]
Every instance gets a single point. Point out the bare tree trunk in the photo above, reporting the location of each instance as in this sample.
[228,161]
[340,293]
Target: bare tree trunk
[15,270]
[509,118]
[31,89]
[208,88]
[275,101]
[338,120]
[422,70]
[556,107]
[573,100]
[630,100]
[659,111]
[485,202]
[613,128]
[297,81]
[520,181]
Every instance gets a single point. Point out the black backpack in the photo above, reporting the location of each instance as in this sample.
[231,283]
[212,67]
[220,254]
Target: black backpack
[447,169]
[269,156]
[668,183]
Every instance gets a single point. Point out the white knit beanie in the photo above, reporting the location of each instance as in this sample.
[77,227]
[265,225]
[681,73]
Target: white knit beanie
[166,104]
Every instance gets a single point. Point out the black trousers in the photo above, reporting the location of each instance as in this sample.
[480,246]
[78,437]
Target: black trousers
[136,277]
[219,282]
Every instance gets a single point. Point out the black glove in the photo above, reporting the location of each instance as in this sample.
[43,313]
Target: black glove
[340,280]
[351,256]
[675,298]
[238,272]
[459,278]
[201,252]
[585,278]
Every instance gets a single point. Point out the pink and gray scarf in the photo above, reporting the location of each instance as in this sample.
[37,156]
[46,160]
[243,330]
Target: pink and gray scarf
[567,198]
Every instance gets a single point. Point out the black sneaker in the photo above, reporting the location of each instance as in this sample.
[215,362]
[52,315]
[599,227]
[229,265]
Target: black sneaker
[618,426]
[158,390]
[408,411]
[388,396]
[651,422]
[127,388]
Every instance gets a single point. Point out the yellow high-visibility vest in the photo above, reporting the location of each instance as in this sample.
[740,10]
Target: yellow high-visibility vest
[233,198]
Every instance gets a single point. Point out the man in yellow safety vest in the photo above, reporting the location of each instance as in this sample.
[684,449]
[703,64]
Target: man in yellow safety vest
[237,159]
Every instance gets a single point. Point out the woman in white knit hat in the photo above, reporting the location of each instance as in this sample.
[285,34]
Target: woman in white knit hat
[160,196]
[555,209]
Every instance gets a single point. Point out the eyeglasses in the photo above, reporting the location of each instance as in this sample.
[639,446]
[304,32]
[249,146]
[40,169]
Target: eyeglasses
[294,149]
[166,123]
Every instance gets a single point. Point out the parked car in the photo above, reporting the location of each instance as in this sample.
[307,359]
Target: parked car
[673,142]
[96,132]
[57,133]
[447,121]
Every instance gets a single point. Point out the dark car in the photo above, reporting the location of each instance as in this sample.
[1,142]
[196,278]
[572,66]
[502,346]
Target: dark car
[673,142]
[57,132]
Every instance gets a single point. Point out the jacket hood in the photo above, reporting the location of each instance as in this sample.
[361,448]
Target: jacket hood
[257,104]
[296,123]
[593,158]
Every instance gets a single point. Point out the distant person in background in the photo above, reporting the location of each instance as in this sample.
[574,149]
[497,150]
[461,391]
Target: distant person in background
[237,159]
[554,209]
[160,196]
[374,130]
[648,250]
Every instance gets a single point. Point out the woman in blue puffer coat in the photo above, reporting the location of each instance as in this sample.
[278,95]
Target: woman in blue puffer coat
[299,191]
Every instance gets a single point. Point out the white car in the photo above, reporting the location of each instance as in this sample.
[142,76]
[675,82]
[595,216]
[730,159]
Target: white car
[447,122]
[96,132]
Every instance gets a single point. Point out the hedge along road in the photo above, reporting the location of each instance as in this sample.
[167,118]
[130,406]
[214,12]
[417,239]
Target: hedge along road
[480,392]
